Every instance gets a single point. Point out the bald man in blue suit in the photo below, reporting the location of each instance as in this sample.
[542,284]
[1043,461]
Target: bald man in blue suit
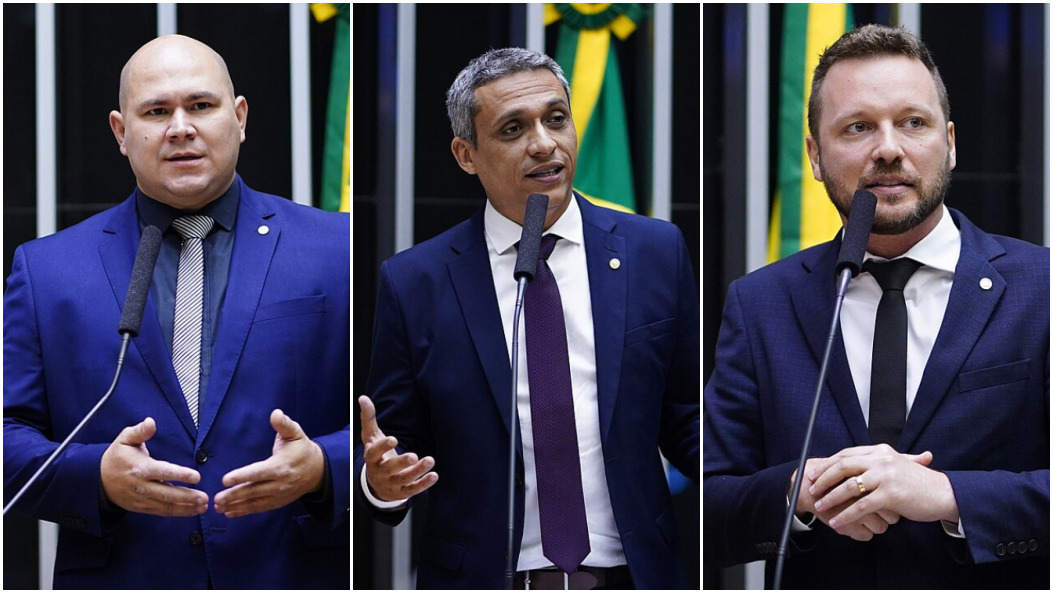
[252,490]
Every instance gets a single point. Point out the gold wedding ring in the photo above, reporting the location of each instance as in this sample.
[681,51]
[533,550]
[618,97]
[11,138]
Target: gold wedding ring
[859,482]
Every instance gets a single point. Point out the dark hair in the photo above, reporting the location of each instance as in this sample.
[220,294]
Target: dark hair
[461,106]
[872,41]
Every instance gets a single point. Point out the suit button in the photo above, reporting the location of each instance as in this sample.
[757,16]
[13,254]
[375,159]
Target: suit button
[519,481]
[1021,547]
[195,538]
[202,456]
[1032,546]
[1011,548]
[1000,550]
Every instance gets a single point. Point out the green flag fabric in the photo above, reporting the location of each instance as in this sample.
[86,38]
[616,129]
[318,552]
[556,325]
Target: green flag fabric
[587,55]
[336,156]
[802,214]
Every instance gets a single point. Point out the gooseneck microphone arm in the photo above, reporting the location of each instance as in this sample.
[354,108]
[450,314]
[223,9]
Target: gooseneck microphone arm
[850,261]
[526,267]
[131,321]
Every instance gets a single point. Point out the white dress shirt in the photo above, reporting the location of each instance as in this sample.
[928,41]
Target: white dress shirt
[568,266]
[926,295]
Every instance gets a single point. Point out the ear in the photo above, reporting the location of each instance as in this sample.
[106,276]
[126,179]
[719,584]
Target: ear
[813,156]
[463,152]
[952,152]
[117,125]
[241,111]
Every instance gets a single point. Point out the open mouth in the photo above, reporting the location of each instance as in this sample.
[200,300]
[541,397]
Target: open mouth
[547,173]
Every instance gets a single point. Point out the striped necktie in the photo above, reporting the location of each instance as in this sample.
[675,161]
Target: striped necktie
[189,306]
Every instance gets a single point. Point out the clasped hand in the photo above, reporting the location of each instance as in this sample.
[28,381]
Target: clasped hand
[134,481]
[894,485]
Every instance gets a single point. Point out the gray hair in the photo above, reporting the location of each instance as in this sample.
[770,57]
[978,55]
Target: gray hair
[461,106]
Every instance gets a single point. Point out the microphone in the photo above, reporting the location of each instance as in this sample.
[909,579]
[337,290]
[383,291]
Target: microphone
[530,241]
[849,262]
[139,286]
[857,232]
[131,320]
[526,266]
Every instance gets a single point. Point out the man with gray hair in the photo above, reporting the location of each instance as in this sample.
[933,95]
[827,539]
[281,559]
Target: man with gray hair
[609,378]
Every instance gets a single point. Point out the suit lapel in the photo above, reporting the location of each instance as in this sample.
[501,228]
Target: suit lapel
[250,261]
[609,290]
[473,283]
[117,249]
[968,310]
[814,300]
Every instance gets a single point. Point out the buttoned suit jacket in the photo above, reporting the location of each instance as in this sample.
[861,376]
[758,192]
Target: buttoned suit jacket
[441,380]
[982,409]
[282,341]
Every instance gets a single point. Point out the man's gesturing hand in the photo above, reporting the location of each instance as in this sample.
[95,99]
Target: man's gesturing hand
[391,476]
[135,482]
[296,467]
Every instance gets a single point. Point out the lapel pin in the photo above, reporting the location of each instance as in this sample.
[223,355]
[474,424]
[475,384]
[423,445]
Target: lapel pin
[985,283]
[263,230]
[615,263]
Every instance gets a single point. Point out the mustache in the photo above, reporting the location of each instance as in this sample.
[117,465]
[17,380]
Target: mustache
[883,169]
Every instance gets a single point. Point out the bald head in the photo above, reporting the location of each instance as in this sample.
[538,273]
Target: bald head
[166,50]
[179,123]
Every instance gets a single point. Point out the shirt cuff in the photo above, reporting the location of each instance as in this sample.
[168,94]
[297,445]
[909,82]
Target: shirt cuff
[798,525]
[376,502]
[956,531]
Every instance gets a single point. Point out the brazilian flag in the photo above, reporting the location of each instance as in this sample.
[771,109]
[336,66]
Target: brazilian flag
[586,53]
[802,215]
[336,156]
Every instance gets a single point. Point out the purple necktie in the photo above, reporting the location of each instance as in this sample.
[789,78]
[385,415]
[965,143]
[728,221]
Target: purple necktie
[561,504]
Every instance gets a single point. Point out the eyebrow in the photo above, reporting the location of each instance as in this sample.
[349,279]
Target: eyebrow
[165,99]
[517,112]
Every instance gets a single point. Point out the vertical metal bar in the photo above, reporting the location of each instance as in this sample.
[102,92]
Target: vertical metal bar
[757,137]
[300,98]
[47,136]
[401,551]
[167,19]
[404,130]
[662,116]
[909,15]
[535,26]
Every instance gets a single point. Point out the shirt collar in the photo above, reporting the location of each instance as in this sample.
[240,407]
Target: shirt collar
[504,233]
[939,249]
[224,209]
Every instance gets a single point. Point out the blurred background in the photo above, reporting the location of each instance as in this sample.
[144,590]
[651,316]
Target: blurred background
[994,60]
[408,188]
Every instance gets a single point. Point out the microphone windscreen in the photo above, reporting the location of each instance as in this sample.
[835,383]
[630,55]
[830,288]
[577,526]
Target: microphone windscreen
[139,285]
[530,242]
[857,232]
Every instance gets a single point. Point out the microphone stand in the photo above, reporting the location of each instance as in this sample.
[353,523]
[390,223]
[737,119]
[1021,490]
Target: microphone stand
[510,572]
[842,288]
[126,337]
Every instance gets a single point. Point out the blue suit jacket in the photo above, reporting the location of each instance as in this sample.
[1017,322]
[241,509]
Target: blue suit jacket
[282,342]
[441,381]
[982,409]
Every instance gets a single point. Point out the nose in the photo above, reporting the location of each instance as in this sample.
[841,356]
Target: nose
[541,141]
[180,127]
[889,145]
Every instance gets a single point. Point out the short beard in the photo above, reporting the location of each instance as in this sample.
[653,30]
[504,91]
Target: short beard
[930,196]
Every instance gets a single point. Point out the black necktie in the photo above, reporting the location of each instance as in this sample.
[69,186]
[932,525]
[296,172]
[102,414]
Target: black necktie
[888,371]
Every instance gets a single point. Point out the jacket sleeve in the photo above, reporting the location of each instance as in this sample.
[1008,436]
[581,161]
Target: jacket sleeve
[743,500]
[69,492]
